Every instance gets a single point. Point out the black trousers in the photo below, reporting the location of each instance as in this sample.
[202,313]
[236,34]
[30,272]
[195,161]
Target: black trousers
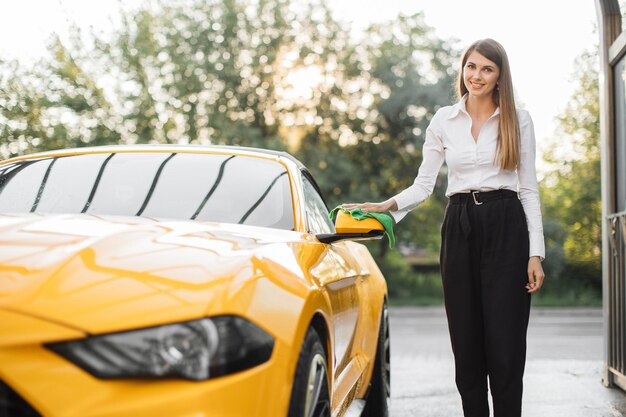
[484,262]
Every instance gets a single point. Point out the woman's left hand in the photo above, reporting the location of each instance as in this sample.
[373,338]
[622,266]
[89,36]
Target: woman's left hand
[373,207]
[535,274]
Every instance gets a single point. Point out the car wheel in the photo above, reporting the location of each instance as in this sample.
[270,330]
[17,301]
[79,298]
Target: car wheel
[309,394]
[377,404]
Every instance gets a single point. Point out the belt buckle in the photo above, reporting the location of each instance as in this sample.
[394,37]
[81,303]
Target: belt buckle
[478,203]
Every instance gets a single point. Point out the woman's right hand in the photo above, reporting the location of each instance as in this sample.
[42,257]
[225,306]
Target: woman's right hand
[373,207]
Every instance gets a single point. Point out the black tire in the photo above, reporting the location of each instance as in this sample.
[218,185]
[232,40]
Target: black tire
[309,395]
[379,392]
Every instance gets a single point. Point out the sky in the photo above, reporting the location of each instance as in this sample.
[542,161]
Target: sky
[542,37]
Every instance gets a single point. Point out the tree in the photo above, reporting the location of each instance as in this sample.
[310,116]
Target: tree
[571,193]
[406,74]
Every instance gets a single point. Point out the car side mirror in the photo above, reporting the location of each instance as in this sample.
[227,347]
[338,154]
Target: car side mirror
[347,227]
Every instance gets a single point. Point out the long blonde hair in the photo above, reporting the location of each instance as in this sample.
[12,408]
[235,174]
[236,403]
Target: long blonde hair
[508,150]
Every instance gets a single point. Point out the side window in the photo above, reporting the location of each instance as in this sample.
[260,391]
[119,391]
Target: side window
[317,213]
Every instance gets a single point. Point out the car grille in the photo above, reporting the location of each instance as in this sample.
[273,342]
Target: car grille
[12,405]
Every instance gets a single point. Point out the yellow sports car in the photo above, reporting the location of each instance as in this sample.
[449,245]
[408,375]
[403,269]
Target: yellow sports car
[184,281]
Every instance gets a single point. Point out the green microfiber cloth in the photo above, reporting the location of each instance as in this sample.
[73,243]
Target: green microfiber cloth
[385,219]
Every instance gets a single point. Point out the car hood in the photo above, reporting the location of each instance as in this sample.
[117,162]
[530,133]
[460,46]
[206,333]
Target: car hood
[100,274]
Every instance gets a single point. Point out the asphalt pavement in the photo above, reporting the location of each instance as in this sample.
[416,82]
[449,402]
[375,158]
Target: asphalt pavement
[563,369]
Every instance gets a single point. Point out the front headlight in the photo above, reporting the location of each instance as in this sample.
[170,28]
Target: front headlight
[198,350]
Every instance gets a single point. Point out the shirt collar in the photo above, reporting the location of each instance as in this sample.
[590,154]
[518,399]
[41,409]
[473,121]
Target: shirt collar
[460,107]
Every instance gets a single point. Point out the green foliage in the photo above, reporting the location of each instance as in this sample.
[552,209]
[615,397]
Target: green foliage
[571,192]
[407,286]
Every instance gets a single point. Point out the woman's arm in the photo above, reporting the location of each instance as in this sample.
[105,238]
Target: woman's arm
[423,185]
[529,196]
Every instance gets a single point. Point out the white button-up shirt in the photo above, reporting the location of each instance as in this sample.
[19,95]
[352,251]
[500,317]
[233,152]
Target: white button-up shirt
[472,165]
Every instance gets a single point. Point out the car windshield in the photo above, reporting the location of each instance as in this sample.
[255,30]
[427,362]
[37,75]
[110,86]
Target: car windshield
[205,187]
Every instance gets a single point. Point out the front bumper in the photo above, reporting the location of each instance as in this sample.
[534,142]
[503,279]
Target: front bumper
[55,387]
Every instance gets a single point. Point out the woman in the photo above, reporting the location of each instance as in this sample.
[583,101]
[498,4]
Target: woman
[492,235]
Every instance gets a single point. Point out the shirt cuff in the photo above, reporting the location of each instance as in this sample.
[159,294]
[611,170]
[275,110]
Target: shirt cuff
[403,201]
[401,212]
[398,214]
[537,245]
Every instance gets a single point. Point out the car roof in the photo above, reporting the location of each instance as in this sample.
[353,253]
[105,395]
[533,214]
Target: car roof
[242,150]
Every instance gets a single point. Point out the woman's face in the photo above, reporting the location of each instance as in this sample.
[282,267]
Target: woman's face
[480,75]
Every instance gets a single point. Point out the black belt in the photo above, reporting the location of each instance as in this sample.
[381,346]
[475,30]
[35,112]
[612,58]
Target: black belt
[477,198]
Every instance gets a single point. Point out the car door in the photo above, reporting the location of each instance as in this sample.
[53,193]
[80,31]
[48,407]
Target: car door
[339,278]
